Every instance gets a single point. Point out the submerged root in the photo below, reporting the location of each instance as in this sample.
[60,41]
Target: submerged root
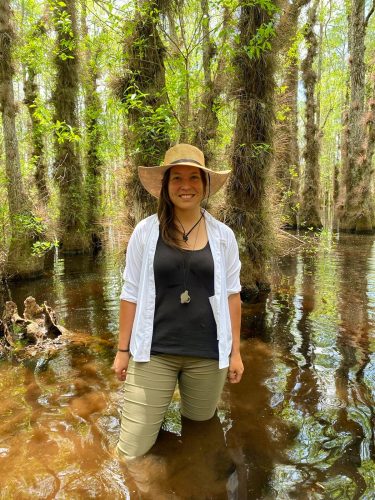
[36,331]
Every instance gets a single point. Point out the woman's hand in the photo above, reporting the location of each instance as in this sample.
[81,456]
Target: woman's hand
[120,365]
[236,368]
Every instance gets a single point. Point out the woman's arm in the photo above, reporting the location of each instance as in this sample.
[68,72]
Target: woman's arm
[235,363]
[127,314]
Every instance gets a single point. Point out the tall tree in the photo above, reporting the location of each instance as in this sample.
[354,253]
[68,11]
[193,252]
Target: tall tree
[68,169]
[142,90]
[24,226]
[368,145]
[286,147]
[32,96]
[310,211]
[93,111]
[251,157]
[206,120]
[358,211]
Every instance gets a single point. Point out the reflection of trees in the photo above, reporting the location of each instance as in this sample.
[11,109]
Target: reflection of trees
[281,306]
[302,381]
[323,451]
[92,290]
[257,438]
[356,413]
[301,391]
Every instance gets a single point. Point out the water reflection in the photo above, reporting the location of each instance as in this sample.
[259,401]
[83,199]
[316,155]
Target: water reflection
[300,425]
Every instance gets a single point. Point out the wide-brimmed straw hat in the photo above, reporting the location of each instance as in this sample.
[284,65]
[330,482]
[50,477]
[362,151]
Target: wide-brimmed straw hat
[181,155]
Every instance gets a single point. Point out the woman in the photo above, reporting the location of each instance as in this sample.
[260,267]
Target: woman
[180,310]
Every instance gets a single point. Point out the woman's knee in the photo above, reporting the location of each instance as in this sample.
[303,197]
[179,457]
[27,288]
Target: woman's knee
[201,389]
[132,445]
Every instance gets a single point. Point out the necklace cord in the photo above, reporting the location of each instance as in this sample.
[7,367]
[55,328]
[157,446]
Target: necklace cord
[185,235]
[187,262]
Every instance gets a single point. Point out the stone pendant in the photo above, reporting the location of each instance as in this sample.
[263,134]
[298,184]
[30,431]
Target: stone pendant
[185,297]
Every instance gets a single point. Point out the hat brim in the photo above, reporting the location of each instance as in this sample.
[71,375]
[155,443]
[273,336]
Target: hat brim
[151,177]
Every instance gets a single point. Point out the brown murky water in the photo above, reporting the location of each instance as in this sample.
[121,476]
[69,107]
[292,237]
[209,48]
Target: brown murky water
[300,424]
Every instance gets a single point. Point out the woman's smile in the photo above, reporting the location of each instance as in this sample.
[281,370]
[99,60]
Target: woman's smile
[186,196]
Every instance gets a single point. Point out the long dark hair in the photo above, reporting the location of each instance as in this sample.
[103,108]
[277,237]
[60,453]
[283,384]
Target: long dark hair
[168,229]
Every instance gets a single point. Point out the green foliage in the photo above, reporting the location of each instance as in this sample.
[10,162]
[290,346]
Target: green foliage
[152,125]
[268,5]
[282,113]
[42,115]
[30,223]
[34,226]
[45,124]
[39,248]
[36,42]
[261,42]
[260,149]
[65,132]
[293,52]
[63,24]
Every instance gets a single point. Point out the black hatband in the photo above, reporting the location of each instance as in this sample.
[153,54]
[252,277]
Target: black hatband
[184,160]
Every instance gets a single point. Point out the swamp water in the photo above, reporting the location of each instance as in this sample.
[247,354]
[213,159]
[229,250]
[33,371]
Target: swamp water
[299,425]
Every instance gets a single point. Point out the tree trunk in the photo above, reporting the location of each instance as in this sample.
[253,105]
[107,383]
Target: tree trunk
[357,213]
[20,261]
[206,120]
[31,92]
[366,176]
[310,212]
[251,158]
[286,149]
[37,154]
[344,151]
[93,111]
[68,170]
[142,90]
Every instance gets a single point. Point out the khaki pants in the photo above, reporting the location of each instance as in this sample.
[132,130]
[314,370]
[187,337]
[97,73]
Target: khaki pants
[149,388]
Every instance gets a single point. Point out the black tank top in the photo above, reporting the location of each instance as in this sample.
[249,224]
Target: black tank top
[184,329]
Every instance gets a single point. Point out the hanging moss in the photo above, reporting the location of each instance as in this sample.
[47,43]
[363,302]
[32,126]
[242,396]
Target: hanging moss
[310,213]
[142,91]
[356,212]
[74,236]
[286,149]
[252,150]
[21,263]
[206,120]
[93,113]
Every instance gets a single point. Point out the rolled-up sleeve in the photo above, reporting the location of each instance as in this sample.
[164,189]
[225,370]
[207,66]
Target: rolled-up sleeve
[233,266]
[133,266]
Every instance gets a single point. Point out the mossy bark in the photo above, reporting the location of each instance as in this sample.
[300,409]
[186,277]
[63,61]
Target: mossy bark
[74,236]
[93,111]
[357,214]
[286,149]
[206,121]
[341,175]
[142,90]
[20,261]
[37,154]
[310,204]
[365,218]
[248,207]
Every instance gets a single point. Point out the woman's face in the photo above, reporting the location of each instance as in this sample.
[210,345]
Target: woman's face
[185,187]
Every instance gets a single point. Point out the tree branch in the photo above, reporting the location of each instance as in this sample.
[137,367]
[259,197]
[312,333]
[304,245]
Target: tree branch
[370,13]
[325,119]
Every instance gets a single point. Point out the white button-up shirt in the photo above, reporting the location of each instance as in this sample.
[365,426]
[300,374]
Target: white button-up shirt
[139,285]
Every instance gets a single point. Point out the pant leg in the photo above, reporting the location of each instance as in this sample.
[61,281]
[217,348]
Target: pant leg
[201,383]
[149,389]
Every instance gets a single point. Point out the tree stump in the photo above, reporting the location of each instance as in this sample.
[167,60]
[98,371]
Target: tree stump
[36,331]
